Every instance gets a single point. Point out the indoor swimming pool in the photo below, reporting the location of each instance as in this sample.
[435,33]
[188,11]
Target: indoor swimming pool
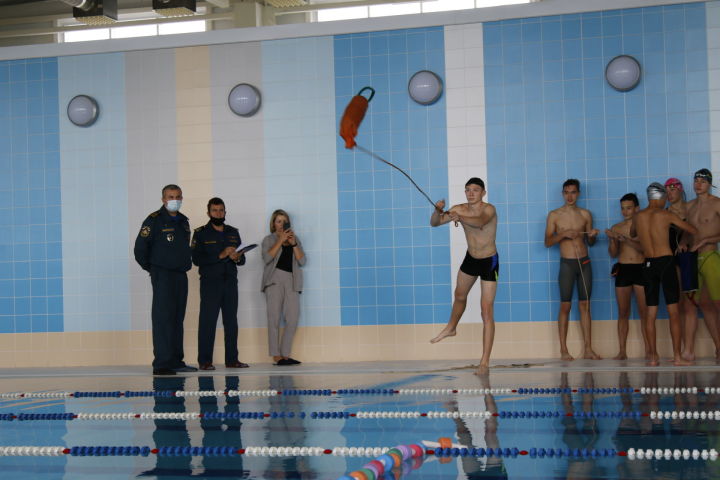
[541,421]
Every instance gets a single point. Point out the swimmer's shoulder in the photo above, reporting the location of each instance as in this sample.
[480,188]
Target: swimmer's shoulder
[621,226]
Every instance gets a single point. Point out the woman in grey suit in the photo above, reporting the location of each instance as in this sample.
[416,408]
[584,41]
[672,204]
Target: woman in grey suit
[282,283]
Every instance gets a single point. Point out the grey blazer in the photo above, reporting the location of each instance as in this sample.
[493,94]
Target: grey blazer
[271,262]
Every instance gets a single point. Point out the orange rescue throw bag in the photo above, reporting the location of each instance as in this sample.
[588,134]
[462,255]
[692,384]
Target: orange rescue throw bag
[353,116]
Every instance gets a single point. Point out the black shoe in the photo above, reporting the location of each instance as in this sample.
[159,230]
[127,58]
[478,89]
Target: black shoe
[284,361]
[293,361]
[236,364]
[185,368]
[163,371]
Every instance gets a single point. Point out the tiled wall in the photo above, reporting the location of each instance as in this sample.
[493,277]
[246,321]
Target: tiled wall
[525,107]
[94,197]
[552,116]
[394,268]
[31,271]
[300,172]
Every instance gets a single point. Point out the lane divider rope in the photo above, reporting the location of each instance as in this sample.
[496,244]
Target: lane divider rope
[364,391]
[68,416]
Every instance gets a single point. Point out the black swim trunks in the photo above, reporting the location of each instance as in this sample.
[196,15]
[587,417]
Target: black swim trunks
[661,271]
[688,264]
[486,268]
[574,271]
[629,274]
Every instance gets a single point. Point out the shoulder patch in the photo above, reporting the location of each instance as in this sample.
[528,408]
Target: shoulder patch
[154,214]
[145,231]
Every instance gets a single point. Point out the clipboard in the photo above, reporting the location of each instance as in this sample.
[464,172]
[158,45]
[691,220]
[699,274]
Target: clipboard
[245,248]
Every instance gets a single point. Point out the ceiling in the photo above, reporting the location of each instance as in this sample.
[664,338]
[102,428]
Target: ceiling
[25,22]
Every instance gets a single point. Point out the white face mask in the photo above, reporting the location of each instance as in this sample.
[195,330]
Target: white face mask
[173,205]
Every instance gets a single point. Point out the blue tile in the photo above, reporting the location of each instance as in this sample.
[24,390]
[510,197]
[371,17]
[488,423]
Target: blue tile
[379,44]
[7,324]
[404,315]
[55,323]
[404,295]
[22,305]
[416,42]
[360,45]
[39,323]
[551,30]
[492,34]
[342,47]
[348,277]
[6,272]
[571,29]
[652,22]
[23,324]
[403,274]
[349,315]
[54,287]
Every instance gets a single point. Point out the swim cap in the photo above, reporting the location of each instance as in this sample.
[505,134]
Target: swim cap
[655,191]
[672,181]
[705,174]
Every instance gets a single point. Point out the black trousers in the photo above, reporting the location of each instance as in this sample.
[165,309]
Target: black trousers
[170,289]
[218,294]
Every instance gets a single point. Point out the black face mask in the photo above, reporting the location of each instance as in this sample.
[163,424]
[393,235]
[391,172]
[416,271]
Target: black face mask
[217,221]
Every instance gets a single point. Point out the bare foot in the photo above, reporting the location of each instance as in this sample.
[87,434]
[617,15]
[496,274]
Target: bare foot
[483,369]
[620,356]
[681,362]
[690,357]
[442,335]
[590,355]
[653,360]
[566,357]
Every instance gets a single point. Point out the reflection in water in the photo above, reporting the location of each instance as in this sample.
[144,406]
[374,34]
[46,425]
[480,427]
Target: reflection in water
[170,432]
[486,467]
[286,432]
[671,434]
[221,432]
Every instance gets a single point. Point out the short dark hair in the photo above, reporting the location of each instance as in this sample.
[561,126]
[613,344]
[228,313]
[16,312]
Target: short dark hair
[171,186]
[215,201]
[630,197]
[476,181]
[572,181]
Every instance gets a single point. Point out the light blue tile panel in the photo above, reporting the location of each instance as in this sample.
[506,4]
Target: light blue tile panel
[300,164]
[30,236]
[551,116]
[95,197]
[394,269]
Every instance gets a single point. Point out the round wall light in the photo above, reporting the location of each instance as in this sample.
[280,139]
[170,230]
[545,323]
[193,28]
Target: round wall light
[244,100]
[623,73]
[425,87]
[83,110]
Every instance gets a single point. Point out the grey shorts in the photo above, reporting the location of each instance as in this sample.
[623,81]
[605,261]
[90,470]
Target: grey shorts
[574,271]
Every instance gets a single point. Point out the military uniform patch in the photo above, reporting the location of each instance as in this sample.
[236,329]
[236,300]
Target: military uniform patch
[145,231]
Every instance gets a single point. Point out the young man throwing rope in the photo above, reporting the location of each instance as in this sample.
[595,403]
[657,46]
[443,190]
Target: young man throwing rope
[572,228]
[479,220]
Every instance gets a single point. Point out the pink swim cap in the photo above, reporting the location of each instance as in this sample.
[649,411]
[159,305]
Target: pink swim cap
[674,181]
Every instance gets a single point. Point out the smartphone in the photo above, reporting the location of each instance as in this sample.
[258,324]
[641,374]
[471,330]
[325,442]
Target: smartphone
[286,226]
